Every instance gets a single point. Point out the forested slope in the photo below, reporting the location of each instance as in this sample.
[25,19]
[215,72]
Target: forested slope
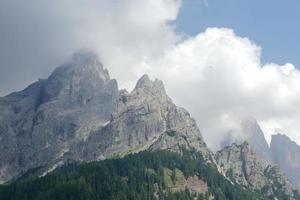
[146,175]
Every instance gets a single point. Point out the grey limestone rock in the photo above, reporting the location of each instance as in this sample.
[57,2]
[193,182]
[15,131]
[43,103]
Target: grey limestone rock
[41,123]
[286,155]
[78,114]
[252,133]
[141,120]
[241,165]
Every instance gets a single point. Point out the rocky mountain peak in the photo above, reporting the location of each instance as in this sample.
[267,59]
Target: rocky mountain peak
[146,118]
[143,82]
[147,87]
[43,122]
[82,116]
[87,60]
[82,77]
[241,165]
[85,56]
[251,132]
[286,155]
[256,139]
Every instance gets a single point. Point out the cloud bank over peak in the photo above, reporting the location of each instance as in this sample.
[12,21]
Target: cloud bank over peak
[217,75]
[43,34]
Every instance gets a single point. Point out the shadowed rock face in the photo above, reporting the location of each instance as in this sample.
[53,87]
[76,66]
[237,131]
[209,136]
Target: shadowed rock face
[79,114]
[241,165]
[286,155]
[41,123]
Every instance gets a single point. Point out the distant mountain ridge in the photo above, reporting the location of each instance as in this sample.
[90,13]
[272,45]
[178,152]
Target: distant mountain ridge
[286,155]
[253,134]
[241,165]
[282,152]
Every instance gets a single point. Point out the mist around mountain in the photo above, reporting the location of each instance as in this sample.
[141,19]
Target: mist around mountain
[79,115]
[286,154]
[282,152]
[251,132]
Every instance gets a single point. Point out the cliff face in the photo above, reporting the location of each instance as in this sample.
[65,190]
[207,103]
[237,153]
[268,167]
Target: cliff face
[145,118]
[252,133]
[283,152]
[241,165]
[286,154]
[78,113]
[40,124]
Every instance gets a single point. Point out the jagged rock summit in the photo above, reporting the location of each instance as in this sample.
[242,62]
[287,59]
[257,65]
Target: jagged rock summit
[286,154]
[241,165]
[79,114]
[43,122]
[145,118]
[252,133]
[283,152]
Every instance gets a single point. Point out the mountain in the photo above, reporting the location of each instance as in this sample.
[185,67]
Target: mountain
[286,155]
[241,165]
[283,152]
[149,175]
[252,133]
[78,114]
[145,118]
[43,122]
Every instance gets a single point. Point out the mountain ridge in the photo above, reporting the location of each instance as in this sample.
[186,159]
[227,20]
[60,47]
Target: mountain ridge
[286,155]
[79,114]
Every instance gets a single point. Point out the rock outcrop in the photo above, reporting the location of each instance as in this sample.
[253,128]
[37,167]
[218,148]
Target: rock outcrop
[251,132]
[41,123]
[286,155]
[283,152]
[241,165]
[145,118]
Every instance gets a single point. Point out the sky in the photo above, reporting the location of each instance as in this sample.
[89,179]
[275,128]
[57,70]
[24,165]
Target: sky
[274,25]
[236,59]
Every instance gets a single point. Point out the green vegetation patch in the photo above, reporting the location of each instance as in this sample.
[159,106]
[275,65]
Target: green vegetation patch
[174,179]
[171,133]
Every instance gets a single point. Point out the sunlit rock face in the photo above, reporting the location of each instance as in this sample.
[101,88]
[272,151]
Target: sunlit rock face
[286,154]
[79,114]
[145,118]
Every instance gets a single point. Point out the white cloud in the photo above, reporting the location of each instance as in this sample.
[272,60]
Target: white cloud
[218,76]
[42,34]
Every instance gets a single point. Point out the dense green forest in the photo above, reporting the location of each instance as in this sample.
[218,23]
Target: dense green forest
[139,176]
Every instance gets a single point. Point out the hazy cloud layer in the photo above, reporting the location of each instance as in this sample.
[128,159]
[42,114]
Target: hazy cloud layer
[216,75]
[38,35]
